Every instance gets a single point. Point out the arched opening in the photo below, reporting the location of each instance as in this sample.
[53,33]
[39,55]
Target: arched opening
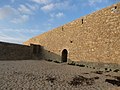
[115,7]
[64,55]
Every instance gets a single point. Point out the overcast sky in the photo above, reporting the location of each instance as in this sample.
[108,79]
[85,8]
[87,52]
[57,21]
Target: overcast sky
[23,19]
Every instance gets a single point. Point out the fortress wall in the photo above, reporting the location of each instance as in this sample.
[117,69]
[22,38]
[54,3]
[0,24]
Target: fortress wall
[97,39]
[9,51]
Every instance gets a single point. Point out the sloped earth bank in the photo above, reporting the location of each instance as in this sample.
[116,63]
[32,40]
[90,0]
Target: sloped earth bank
[44,75]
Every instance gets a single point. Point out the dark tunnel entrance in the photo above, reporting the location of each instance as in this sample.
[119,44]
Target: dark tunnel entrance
[64,55]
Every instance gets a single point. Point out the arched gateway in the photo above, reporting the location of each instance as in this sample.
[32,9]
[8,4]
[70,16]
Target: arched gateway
[64,55]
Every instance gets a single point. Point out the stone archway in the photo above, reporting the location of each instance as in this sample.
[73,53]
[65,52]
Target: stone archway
[64,55]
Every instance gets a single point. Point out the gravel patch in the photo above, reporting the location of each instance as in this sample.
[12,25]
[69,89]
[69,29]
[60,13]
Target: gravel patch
[44,75]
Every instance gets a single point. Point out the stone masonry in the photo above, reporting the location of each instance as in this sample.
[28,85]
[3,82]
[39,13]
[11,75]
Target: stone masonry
[92,38]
